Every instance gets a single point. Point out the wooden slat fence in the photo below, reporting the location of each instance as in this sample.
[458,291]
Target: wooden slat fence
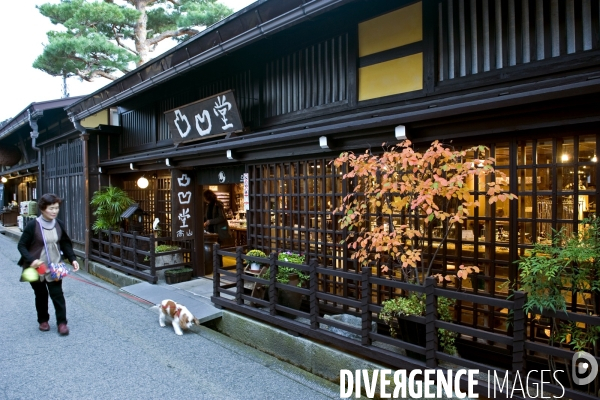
[133,253]
[234,297]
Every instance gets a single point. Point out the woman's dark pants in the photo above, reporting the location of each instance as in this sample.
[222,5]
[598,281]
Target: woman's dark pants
[42,289]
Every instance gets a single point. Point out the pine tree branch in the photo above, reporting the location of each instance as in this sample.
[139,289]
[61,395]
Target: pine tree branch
[168,34]
[121,44]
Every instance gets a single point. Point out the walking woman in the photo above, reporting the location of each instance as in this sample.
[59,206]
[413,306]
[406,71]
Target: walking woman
[42,241]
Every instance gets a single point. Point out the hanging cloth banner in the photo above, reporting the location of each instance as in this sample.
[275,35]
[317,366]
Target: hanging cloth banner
[182,204]
[208,117]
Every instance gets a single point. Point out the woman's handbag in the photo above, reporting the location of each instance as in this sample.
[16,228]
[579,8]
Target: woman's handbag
[57,270]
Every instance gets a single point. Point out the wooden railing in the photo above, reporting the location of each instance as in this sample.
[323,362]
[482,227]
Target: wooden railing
[307,321]
[133,253]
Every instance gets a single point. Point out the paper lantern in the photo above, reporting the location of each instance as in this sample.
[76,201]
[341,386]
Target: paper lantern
[9,155]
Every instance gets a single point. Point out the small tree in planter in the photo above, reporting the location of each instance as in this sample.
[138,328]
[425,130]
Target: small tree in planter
[109,203]
[399,195]
[568,268]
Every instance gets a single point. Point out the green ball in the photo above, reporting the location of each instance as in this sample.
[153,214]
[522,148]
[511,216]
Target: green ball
[30,275]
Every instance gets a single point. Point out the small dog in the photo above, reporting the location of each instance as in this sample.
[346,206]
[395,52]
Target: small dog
[181,316]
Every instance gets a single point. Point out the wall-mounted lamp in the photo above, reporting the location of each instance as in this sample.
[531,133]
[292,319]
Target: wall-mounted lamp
[142,182]
[230,155]
[4,180]
[168,162]
[99,170]
[323,142]
[400,132]
[131,167]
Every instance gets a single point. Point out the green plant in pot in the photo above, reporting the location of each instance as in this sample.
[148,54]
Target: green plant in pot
[399,198]
[566,268]
[255,266]
[289,276]
[108,204]
[414,304]
[177,275]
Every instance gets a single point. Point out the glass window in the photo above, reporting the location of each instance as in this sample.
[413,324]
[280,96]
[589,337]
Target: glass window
[565,150]
[502,154]
[587,148]
[565,178]
[525,152]
[544,153]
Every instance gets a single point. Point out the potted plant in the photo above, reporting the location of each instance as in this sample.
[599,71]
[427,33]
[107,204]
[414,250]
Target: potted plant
[255,266]
[398,196]
[109,203]
[566,268]
[289,276]
[178,275]
[166,259]
[414,304]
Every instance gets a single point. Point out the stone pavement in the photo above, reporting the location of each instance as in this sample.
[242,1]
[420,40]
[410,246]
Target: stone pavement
[117,350]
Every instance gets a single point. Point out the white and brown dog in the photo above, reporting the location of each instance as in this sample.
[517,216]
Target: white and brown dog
[182,317]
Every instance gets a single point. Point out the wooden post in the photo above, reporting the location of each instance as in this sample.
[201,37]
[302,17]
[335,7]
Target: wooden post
[216,267]
[272,289]
[152,255]
[134,246]
[239,278]
[519,324]
[431,343]
[313,286]
[110,249]
[364,308]
[121,230]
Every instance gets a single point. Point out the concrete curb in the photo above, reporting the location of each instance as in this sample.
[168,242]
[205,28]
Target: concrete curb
[111,276]
[316,358]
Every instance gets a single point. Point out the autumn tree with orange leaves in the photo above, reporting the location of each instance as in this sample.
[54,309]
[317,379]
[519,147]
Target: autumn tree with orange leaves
[398,195]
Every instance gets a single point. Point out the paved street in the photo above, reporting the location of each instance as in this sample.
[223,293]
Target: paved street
[116,350]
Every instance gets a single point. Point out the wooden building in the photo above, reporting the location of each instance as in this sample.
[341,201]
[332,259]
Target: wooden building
[44,155]
[308,80]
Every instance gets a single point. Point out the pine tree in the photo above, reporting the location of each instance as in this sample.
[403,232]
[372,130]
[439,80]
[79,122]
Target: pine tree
[103,38]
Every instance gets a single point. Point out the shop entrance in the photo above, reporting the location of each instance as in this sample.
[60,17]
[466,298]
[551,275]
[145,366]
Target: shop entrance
[227,184]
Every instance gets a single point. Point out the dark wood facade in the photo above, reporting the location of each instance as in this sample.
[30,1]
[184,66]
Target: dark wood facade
[519,76]
[51,162]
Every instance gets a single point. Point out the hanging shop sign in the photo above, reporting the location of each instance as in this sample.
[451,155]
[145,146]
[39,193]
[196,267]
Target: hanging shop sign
[211,116]
[221,175]
[183,210]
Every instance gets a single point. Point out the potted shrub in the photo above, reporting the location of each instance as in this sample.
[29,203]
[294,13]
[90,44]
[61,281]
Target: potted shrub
[398,197]
[414,304]
[178,275]
[289,276]
[166,259]
[567,268]
[255,266]
[109,203]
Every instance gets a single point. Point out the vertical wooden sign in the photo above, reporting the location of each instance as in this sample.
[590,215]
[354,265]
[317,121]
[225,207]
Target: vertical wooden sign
[182,199]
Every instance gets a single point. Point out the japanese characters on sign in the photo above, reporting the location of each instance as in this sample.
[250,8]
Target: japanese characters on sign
[210,116]
[246,192]
[182,194]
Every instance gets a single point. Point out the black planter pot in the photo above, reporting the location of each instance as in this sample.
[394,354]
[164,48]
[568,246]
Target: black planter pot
[177,276]
[288,298]
[412,332]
